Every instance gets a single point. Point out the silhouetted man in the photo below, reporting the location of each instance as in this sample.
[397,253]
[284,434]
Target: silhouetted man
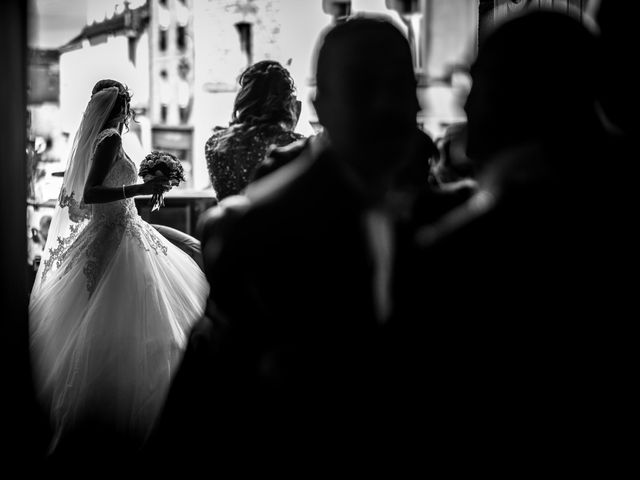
[528,301]
[289,362]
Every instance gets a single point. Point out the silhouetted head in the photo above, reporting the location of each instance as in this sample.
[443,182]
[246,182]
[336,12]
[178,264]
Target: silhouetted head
[617,22]
[121,111]
[267,95]
[534,80]
[366,92]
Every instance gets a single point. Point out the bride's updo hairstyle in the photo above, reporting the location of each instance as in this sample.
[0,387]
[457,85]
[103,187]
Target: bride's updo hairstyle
[122,102]
[267,95]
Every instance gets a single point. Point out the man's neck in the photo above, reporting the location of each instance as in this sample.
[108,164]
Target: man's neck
[371,185]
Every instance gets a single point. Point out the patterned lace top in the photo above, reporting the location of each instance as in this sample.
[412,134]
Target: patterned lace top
[234,152]
[122,172]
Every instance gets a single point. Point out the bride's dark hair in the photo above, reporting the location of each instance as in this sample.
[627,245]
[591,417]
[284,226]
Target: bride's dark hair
[266,95]
[122,102]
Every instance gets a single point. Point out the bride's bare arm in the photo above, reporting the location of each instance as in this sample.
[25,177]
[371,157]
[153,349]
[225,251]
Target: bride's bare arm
[96,192]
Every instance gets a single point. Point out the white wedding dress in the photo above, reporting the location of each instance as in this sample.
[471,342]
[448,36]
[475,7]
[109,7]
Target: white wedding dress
[108,331]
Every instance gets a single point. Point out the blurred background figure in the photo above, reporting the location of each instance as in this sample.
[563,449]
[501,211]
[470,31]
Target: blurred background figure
[451,165]
[38,230]
[265,113]
[39,235]
[451,178]
[514,272]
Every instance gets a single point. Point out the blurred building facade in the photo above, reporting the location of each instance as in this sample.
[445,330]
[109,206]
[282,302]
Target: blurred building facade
[171,74]
[46,142]
[182,58]
[117,46]
[43,76]
[43,150]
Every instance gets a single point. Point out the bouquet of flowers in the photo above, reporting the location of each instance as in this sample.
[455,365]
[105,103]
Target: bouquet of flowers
[159,163]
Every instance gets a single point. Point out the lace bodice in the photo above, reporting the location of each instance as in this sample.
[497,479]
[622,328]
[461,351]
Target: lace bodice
[122,172]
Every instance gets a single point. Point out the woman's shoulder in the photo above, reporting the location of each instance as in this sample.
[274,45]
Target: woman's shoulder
[108,138]
[223,132]
[111,133]
[294,136]
[280,136]
[218,131]
[244,136]
[220,136]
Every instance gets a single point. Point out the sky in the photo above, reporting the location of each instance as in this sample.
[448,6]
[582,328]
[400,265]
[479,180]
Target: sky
[52,23]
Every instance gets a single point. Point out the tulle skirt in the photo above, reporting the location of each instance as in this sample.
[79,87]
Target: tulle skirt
[108,332]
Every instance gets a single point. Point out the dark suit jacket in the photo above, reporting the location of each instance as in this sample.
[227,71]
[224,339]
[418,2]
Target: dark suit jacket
[288,355]
[527,349]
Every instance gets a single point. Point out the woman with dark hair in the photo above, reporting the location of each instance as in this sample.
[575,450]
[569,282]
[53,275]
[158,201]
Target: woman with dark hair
[265,113]
[113,300]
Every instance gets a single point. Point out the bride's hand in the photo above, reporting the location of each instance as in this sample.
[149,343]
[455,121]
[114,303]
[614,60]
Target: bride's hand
[155,185]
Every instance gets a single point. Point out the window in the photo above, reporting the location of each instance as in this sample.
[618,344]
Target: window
[181,37]
[164,22]
[162,40]
[165,95]
[182,19]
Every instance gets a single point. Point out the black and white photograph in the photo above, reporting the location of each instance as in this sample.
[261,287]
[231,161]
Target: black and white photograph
[305,238]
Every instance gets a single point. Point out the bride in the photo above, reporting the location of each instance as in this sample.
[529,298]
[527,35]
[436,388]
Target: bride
[113,300]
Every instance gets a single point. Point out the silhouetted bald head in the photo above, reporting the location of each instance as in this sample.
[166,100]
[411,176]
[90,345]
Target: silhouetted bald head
[359,48]
[366,90]
[535,77]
